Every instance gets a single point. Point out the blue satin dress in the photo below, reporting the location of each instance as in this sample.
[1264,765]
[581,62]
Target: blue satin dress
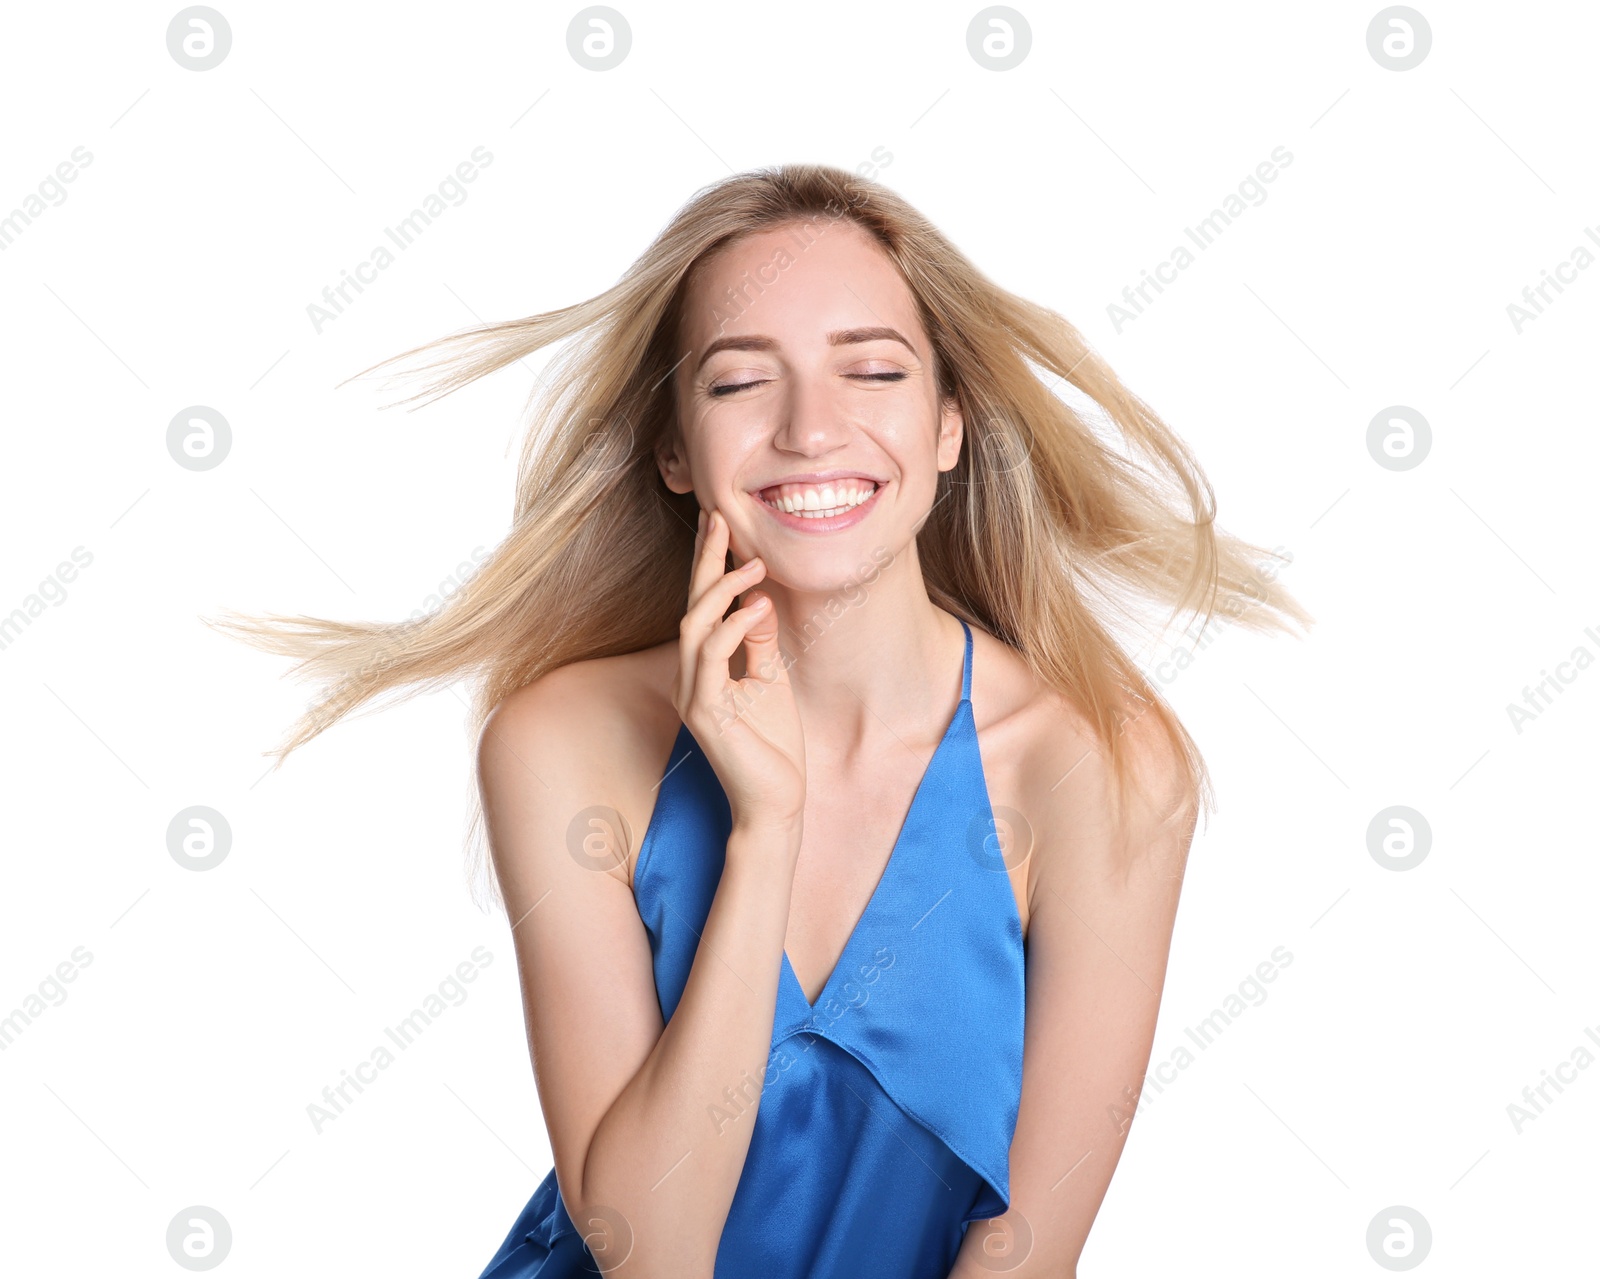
[885,1119]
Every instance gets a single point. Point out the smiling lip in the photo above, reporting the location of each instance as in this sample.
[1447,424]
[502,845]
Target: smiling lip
[819,477]
[833,522]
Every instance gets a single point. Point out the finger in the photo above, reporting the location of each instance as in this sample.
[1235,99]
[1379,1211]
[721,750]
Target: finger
[756,622]
[763,659]
[702,619]
[711,556]
[719,701]
[721,595]
[697,583]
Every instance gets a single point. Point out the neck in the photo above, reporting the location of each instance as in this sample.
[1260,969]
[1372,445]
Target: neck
[868,663]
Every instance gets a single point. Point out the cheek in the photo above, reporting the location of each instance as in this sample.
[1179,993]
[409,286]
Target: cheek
[913,445]
[718,449]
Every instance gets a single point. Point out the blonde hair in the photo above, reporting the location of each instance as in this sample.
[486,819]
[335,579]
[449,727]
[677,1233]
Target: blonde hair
[1039,516]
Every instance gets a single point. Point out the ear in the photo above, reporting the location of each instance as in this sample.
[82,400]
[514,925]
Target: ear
[674,465]
[951,429]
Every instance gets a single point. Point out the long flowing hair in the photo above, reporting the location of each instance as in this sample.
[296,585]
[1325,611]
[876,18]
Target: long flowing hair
[1060,520]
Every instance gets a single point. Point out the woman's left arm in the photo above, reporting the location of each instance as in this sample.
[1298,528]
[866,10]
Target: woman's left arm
[1102,908]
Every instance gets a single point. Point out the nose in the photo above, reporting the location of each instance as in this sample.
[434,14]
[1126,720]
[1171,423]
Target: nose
[812,424]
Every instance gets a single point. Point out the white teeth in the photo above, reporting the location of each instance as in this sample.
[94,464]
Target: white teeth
[817,504]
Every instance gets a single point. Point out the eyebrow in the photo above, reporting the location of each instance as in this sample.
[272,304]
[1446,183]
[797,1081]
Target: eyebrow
[839,337]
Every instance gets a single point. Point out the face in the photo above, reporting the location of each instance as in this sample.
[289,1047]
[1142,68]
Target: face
[809,384]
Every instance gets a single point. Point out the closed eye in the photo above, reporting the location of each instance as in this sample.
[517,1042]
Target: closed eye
[870,377]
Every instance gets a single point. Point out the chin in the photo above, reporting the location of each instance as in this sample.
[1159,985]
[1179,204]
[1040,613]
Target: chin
[838,569]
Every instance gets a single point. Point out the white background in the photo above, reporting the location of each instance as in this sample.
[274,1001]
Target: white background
[1378,271]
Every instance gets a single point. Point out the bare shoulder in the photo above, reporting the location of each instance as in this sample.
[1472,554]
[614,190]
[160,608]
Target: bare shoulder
[596,732]
[1051,774]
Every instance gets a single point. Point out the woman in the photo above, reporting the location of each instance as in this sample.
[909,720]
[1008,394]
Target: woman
[874,992]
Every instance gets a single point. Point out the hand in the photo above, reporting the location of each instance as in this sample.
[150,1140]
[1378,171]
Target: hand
[750,727]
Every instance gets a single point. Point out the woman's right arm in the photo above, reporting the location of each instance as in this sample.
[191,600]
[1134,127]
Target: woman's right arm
[645,1157]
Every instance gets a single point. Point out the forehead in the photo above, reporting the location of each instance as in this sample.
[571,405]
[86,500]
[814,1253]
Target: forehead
[795,283]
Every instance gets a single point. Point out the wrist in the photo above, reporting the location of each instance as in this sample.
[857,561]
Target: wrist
[768,826]
[766,839]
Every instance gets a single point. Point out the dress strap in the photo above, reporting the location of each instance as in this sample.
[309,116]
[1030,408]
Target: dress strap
[966,663]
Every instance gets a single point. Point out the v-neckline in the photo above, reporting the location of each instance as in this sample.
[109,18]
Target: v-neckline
[850,944]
